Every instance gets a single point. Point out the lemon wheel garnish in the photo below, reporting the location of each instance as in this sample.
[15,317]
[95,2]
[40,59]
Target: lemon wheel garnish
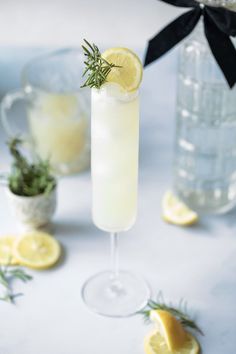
[37,250]
[6,250]
[176,212]
[154,343]
[130,73]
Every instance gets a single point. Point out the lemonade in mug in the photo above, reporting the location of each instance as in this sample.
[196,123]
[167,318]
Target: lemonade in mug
[56,109]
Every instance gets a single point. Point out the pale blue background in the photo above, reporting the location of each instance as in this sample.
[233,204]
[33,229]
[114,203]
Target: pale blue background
[67,22]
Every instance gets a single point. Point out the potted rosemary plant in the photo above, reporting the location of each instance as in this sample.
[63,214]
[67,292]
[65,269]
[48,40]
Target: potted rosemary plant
[31,189]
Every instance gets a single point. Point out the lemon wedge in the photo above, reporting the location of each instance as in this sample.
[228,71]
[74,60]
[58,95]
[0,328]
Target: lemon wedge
[154,343]
[130,73]
[6,250]
[176,212]
[37,250]
[170,329]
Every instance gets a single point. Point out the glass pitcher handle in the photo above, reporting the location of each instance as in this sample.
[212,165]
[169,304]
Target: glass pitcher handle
[6,105]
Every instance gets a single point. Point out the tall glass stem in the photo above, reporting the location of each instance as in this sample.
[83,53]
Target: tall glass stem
[114,254]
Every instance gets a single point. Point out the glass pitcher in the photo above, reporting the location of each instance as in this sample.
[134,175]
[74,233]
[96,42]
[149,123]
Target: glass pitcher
[57,110]
[205,144]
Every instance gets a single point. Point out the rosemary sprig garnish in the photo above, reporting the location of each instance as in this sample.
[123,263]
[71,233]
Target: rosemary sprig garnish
[7,275]
[180,313]
[96,68]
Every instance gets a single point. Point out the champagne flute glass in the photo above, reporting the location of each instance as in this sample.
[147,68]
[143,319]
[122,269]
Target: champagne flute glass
[115,141]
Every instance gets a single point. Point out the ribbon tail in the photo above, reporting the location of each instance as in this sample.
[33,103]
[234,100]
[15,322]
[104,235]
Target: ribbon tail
[182,3]
[222,48]
[171,35]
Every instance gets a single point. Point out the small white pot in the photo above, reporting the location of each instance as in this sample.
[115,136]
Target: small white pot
[33,212]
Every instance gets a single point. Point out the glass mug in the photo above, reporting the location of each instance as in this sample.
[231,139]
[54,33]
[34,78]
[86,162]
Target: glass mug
[57,110]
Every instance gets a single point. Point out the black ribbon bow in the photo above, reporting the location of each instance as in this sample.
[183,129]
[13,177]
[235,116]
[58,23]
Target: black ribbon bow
[219,25]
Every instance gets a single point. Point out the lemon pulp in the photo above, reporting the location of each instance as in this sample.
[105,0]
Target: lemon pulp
[129,75]
[37,250]
[170,328]
[154,343]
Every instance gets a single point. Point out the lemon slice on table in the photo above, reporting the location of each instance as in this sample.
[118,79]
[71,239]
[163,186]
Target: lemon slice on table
[37,250]
[170,329]
[6,250]
[129,75]
[169,336]
[176,212]
[154,343]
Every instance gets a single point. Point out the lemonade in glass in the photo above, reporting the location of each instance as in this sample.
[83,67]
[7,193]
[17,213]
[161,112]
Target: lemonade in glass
[114,80]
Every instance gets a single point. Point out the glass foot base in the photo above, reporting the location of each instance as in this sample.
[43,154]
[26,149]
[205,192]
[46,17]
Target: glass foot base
[119,296]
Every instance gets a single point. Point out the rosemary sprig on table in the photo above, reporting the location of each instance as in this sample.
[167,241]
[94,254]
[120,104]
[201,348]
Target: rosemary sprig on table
[179,313]
[96,68]
[7,275]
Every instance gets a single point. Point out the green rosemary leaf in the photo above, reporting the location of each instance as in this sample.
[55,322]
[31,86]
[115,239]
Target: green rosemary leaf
[19,273]
[85,50]
[10,298]
[89,45]
[7,275]
[3,280]
[96,68]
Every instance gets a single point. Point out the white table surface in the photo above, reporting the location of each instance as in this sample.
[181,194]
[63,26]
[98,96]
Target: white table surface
[197,264]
